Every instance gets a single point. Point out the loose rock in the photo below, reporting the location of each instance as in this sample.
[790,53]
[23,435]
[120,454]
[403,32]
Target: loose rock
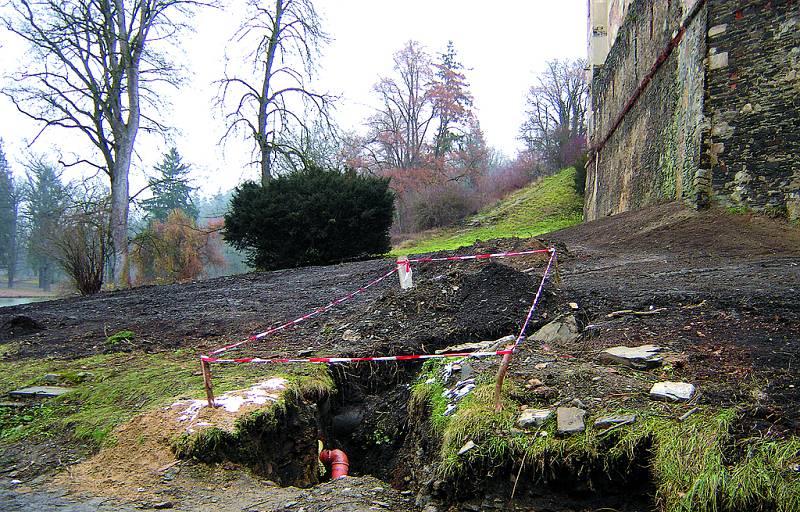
[534,383]
[39,392]
[610,421]
[351,335]
[672,391]
[535,417]
[570,420]
[467,447]
[564,330]
[642,357]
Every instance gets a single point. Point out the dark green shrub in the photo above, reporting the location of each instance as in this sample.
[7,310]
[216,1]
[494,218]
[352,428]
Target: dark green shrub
[310,217]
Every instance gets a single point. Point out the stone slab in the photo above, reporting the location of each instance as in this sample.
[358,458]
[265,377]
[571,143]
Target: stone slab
[641,357]
[40,392]
[672,391]
[563,330]
[610,421]
[570,420]
[533,417]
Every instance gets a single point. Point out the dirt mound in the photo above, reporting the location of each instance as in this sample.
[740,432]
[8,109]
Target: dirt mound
[449,305]
[19,325]
[135,461]
[686,233]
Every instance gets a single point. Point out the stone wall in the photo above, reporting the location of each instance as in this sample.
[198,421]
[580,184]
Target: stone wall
[718,122]
[654,152]
[753,103]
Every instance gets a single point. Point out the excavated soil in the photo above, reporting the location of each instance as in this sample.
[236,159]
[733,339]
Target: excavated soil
[720,292]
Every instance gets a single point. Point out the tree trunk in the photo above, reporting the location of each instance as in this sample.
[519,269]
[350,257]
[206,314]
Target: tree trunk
[266,90]
[12,247]
[47,277]
[119,218]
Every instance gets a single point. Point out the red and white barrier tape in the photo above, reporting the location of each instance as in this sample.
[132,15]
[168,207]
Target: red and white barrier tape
[255,360]
[478,256]
[535,299]
[303,318]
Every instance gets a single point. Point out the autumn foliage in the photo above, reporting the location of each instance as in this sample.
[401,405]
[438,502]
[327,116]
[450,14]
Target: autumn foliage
[176,250]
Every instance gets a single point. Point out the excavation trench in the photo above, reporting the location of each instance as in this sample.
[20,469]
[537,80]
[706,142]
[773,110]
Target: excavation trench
[372,413]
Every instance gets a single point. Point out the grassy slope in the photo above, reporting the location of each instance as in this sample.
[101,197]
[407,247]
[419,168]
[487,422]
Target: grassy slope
[118,387]
[542,207]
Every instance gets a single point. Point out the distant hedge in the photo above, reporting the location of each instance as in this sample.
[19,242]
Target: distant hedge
[310,217]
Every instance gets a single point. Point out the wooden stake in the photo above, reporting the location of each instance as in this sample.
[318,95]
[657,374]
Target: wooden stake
[501,376]
[207,382]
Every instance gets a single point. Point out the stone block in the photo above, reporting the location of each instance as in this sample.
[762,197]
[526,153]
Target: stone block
[570,420]
[40,392]
[564,330]
[672,391]
[641,357]
[718,60]
[533,417]
[717,30]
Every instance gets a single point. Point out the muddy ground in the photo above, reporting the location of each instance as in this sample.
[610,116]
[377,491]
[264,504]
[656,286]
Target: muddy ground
[721,293]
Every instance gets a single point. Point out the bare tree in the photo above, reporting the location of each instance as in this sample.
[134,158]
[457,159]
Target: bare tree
[93,72]
[82,245]
[555,125]
[283,42]
[407,113]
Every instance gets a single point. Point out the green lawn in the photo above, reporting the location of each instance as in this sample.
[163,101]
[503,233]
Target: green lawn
[545,206]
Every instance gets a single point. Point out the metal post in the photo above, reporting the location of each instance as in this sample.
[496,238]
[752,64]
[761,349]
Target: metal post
[207,382]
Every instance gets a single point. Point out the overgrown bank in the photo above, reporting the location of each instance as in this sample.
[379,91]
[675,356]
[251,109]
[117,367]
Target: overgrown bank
[542,207]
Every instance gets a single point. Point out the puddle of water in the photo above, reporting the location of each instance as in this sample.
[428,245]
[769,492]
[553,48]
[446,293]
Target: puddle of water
[21,300]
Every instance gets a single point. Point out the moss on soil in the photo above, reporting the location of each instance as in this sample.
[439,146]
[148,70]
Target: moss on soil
[115,388]
[542,207]
[696,465]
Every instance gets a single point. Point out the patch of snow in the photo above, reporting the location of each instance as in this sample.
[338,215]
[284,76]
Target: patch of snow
[232,401]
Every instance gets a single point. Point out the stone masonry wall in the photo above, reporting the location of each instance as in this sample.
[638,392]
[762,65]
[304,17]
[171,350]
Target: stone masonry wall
[655,151]
[720,120]
[753,103]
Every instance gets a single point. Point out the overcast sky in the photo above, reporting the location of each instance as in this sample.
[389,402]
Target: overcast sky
[501,44]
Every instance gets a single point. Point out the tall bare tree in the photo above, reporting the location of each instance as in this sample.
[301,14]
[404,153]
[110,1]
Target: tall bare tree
[555,124]
[282,40]
[407,113]
[92,71]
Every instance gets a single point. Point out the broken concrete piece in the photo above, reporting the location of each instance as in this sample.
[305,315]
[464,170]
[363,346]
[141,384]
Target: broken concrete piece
[570,420]
[563,330]
[533,417]
[610,421]
[467,447]
[641,357]
[40,392]
[672,391]
[479,346]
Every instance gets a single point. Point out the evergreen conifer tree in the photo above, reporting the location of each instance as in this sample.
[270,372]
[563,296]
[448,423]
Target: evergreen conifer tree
[170,188]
